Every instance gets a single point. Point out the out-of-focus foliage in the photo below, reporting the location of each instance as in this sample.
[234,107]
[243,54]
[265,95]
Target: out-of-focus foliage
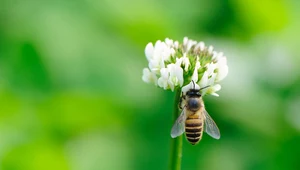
[71,94]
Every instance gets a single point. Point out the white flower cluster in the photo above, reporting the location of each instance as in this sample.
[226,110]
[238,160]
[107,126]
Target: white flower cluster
[173,65]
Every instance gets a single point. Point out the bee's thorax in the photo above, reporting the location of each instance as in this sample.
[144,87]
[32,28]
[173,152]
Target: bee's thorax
[193,104]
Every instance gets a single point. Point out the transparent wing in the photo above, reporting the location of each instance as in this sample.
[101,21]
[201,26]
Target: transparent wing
[210,126]
[178,127]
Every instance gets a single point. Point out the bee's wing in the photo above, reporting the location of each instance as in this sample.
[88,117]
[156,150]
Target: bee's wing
[210,126]
[178,127]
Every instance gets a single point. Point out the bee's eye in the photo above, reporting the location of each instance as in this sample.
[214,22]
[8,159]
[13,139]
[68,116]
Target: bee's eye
[198,94]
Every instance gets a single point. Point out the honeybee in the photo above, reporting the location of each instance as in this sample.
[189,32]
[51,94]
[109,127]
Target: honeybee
[194,118]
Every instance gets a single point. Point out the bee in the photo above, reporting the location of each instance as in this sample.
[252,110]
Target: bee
[194,118]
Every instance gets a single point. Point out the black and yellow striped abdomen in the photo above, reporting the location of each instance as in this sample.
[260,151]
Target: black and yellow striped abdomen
[194,128]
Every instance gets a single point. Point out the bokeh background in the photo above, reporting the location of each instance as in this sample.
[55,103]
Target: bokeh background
[72,98]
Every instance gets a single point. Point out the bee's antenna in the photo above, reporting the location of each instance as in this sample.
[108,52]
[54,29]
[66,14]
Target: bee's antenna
[193,83]
[204,87]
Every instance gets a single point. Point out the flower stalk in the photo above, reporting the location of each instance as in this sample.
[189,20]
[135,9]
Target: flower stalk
[176,143]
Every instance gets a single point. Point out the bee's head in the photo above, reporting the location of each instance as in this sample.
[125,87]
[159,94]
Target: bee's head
[194,101]
[195,92]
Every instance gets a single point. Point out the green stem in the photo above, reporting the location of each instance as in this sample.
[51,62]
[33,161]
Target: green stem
[176,144]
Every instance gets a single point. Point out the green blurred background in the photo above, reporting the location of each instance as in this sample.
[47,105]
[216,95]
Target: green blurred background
[72,98]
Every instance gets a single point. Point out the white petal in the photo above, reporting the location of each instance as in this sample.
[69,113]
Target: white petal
[166,55]
[158,44]
[162,83]
[197,63]
[215,54]
[154,66]
[210,50]
[149,51]
[222,69]
[185,41]
[215,94]
[186,88]
[172,51]
[171,85]
[190,44]
[164,73]
[211,79]
[163,80]
[176,44]
[222,60]
[213,89]
[162,64]
[149,77]
[195,73]
[217,87]
[179,61]
[218,56]
[169,42]
[186,62]
[146,73]
[180,76]
[162,51]
[211,68]
[222,73]
[176,74]
[201,45]
[204,80]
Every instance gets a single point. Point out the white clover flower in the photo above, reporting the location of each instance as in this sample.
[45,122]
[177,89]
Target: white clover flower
[176,44]
[195,73]
[169,42]
[171,76]
[173,66]
[188,44]
[200,46]
[185,61]
[176,75]
[149,77]
[163,81]
[157,55]
[210,50]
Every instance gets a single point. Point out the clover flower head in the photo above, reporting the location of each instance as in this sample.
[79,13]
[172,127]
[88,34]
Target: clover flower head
[173,65]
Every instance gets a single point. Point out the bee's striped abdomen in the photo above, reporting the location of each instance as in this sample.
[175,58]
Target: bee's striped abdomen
[194,129]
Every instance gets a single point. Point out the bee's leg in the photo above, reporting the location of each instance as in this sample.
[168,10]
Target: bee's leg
[180,101]
[179,104]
